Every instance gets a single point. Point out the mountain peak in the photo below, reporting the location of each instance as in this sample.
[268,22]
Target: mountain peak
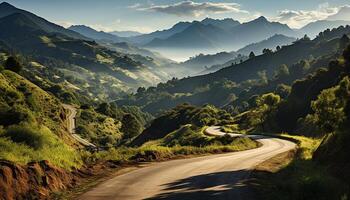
[261,19]
[6,5]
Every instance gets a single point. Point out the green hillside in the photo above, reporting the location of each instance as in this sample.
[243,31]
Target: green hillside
[226,85]
[91,64]
[32,126]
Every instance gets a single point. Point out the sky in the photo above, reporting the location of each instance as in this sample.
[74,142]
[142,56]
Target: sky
[150,15]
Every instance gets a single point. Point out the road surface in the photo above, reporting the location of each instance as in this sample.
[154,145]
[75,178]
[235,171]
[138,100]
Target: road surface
[216,131]
[210,177]
[72,112]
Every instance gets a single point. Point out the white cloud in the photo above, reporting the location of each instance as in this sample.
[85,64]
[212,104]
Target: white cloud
[136,5]
[342,14]
[190,8]
[297,19]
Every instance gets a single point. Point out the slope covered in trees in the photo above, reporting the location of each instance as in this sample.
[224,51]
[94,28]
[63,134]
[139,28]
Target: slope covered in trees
[224,86]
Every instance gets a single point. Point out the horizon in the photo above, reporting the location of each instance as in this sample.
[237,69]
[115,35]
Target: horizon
[125,15]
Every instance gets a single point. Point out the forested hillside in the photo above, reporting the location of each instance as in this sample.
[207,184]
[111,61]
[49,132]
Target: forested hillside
[220,88]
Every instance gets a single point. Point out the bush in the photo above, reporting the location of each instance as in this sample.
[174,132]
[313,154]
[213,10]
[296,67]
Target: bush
[27,135]
[12,64]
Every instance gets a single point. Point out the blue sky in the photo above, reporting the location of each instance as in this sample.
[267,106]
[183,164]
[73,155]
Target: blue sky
[150,15]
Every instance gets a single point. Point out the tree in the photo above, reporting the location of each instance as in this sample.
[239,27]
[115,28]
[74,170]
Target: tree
[278,48]
[329,106]
[251,55]
[306,38]
[282,71]
[13,64]
[263,77]
[346,55]
[344,41]
[141,90]
[283,90]
[131,127]
[267,51]
[269,99]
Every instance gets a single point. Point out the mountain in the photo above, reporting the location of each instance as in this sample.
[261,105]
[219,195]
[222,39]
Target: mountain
[93,34]
[221,34]
[226,24]
[126,33]
[270,43]
[258,30]
[7,9]
[196,36]
[146,38]
[204,61]
[214,62]
[313,28]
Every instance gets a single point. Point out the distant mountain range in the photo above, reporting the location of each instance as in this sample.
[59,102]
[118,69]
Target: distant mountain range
[213,62]
[228,34]
[221,34]
[96,35]
[125,33]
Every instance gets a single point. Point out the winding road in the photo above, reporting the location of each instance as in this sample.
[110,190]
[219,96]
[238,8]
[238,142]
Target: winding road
[72,112]
[220,176]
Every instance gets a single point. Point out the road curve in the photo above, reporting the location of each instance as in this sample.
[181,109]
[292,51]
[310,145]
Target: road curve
[210,177]
[71,125]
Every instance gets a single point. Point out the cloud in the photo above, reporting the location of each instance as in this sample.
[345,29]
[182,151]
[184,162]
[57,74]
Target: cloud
[297,19]
[190,8]
[135,6]
[342,14]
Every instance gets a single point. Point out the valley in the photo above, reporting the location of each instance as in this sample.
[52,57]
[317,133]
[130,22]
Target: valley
[198,100]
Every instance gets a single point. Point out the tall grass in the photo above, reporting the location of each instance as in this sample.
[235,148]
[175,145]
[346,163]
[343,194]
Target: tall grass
[27,142]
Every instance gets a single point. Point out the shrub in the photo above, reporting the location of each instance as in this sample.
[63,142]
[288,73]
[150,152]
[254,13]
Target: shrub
[12,64]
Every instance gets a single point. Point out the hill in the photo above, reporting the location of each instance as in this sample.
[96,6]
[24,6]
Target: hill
[83,63]
[204,61]
[7,9]
[313,28]
[269,43]
[93,34]
[227,84]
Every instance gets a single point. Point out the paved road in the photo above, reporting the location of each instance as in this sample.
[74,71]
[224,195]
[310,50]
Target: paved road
[215,131]
[209,177]
[71,125]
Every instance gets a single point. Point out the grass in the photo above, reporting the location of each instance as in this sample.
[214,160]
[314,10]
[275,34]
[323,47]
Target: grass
[232,128]
[302,178]
[26,143]
[153,152]
[306,145]
[185,141]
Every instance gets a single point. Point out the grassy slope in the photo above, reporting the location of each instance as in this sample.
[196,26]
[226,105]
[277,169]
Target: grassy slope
[32,128]
[302,178]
